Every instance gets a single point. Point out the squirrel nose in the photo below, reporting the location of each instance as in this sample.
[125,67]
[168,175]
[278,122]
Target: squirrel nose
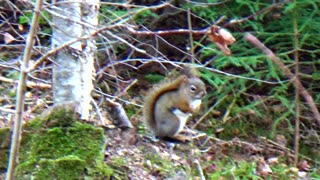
[203,93]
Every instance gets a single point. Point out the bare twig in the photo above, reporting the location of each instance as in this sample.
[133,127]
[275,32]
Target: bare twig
[169,32]
[11,111]
[208,112]
[125,90]
[207,3]
[202,177]
[253,40]
[98,111]
[227,113]
[190,36]
[297,98]
[29,84]
[15,143]
[119,99]
[161,60]
[54,51]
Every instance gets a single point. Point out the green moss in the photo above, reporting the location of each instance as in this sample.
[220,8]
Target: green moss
[164,166]
[59,146]
[3,134]
[70,167]
[4,146]
[120,165]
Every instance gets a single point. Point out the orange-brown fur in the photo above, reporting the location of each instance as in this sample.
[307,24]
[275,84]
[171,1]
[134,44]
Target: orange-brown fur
[163,99]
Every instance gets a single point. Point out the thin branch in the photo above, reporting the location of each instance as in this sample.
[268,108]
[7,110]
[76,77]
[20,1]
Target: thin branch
[202,177]
[16,135]
[190,36]
[206,4]
[98,111]
[29,84]
[129,28]
[264,10]
[226,116]
[11,111]
[161,60]
[208,112]
[253,40]
[119,99]
[54,51]
[125,90]
[169,32]
[297,98]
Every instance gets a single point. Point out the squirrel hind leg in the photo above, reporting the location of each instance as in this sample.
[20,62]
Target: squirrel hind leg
[166,127]
[169,131]
[177,138]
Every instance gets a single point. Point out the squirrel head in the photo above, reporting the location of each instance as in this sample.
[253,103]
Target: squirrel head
[193,90]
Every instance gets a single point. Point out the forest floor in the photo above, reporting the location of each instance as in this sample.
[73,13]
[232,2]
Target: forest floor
[138,156]
[132,153]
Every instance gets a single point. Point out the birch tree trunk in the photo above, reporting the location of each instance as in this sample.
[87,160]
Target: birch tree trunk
[74,68]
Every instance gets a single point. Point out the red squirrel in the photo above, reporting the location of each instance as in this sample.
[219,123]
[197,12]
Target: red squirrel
[168,105]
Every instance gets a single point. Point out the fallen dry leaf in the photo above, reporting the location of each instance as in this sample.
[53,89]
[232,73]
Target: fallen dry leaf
[222,38]
[263,168]
[8,38]
[304,166]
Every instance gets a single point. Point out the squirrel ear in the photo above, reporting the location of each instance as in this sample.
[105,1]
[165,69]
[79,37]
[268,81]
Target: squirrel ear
[184,78]
[189,71]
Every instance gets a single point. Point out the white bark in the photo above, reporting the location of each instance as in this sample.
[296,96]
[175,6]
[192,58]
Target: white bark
[73,74]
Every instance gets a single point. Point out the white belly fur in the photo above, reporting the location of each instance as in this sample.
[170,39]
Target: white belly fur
[196,104]
[183,117]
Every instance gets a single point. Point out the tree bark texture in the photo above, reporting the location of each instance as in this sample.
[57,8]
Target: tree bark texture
[74,68]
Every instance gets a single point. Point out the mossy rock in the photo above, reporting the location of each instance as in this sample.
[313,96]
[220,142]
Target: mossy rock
[58,146]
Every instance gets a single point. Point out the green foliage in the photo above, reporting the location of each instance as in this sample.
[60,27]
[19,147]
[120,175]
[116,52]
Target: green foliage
[120,166]
[5,136]
[154,78]
[206,13]
[60,146]
[284,172]
[13,75]
[144,16]
[109,13]
[46,29]
[113,14]
[26,18]
[230,169]
[261,108]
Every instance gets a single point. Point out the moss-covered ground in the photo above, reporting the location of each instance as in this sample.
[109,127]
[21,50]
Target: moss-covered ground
[4,147]
[60,147]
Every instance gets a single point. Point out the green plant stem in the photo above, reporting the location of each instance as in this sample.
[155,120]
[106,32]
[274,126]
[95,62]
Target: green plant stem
[15,140]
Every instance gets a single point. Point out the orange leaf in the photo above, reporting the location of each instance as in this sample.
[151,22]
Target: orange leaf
[222,38]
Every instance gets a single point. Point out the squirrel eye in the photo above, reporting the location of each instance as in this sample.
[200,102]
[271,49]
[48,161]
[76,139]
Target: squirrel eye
[193,88]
